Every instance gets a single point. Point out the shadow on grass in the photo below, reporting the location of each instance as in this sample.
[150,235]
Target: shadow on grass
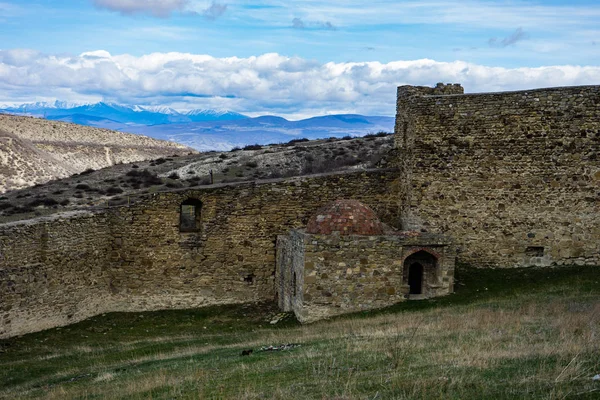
[471,285]
[480,284]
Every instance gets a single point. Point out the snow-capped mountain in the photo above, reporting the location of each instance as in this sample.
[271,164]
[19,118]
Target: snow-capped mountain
[205,129]
[128,115]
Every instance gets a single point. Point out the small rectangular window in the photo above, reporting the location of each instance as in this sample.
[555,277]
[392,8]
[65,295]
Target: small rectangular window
[189,217]
[534,251]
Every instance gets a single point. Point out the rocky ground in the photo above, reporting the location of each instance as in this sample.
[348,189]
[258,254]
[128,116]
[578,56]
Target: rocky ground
[128,182]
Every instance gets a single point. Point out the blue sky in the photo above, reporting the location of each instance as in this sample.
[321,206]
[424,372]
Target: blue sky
[293,58]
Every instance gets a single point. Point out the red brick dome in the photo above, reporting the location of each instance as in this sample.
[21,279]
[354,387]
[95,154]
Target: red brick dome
[348,217]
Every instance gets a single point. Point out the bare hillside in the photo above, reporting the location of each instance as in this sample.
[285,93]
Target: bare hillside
[127,183]
[35,151]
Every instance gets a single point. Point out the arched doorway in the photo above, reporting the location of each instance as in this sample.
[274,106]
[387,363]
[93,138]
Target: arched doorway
[415,278]
[419,273]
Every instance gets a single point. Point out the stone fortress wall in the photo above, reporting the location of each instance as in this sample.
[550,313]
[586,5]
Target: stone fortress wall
[514,177]
[62,269]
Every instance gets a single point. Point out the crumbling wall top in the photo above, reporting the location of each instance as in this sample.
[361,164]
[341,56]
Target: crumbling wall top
[440,89]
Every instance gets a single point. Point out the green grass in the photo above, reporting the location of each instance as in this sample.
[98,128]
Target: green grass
[504,334]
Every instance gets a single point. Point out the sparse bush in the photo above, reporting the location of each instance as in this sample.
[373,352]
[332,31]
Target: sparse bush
[253,147]
[5,206]
[83,186]
[44,201]
[65,202]
[235,149]
[294,141]
[378,134]
[135,166]
[223,156]
[87,171]
[251,164]
[174,175]
[347,137]
[158,161]
[113,190]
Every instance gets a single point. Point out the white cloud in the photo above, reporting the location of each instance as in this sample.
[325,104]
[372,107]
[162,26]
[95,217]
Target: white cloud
[270,83]
[156,8]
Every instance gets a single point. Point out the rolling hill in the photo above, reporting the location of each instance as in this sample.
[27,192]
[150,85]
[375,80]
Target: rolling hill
[34,150]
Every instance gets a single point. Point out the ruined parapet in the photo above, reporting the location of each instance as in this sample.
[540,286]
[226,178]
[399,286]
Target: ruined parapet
[440,89]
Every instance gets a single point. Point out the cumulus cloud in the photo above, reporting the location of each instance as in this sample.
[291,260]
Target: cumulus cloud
[270,83]
[156,8]
[513,38]
[215,11]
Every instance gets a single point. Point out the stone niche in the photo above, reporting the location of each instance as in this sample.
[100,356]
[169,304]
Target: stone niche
[347,260]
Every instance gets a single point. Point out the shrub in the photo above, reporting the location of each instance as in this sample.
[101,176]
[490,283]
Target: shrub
[173,176]
[87,171]
[135,166]
[44,201]
[64,202]
[83,186]
[294,141]
[378,134]
[114,190]
[253,147]
[236,148]
[251,164]
[159,161]
[223,156]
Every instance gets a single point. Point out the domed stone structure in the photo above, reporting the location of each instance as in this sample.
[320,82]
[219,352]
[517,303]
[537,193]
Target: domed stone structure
[347,260]
[348,217]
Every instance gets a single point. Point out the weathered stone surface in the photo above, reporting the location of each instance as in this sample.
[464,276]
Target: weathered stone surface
[503,173]
[55,271]
[325,275]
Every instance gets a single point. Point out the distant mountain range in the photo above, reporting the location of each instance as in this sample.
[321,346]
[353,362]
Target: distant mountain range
[204,129]
[139,115]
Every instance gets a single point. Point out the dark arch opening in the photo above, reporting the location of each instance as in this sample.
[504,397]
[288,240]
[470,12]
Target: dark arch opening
[419,270]
[190,213]
[415,278]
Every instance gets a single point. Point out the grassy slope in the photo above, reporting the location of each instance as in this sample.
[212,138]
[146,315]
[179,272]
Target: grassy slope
[530,333]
